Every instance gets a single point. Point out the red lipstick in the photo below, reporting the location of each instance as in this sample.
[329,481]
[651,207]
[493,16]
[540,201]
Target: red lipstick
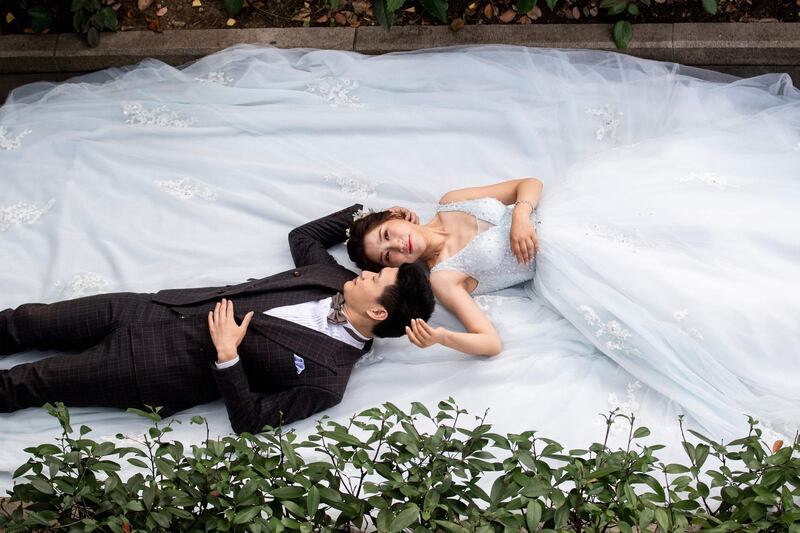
[410,245]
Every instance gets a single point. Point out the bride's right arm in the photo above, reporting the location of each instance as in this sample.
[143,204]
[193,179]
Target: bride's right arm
[480,339]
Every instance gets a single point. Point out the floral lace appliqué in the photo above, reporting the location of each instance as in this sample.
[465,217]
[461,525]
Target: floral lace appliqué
[159,116]
[628,407]
[351,186]
[186,189]
[626,242]
[11,143]
[22,213]
[609,118]
[612,332]
[84,284]
[336,91]
[711,179]
[685,326]
[217,77]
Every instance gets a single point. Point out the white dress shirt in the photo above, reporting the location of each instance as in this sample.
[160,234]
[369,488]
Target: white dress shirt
[313,315]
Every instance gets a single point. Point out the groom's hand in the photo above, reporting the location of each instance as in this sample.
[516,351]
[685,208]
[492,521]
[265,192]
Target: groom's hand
[225,334]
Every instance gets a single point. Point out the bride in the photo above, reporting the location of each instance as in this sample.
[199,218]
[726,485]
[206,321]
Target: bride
[473,245]
[666,223]
[682,277]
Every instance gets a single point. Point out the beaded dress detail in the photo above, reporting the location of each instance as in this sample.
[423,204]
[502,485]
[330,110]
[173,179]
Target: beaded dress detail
[487,257]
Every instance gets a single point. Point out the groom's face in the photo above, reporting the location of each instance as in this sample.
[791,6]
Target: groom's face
[362,294]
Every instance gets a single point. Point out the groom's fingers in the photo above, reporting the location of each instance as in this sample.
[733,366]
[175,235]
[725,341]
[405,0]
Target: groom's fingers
[412,337]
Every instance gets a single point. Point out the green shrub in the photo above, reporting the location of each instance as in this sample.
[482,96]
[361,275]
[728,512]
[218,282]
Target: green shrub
[385,471]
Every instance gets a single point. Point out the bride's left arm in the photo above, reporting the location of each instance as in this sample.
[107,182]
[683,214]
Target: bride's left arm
[508,192]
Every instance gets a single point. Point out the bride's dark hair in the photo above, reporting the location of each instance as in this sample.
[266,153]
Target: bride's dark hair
[358,231]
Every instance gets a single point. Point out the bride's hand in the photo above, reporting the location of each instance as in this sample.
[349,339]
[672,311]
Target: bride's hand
[407,214]
[524,242]
[421,334]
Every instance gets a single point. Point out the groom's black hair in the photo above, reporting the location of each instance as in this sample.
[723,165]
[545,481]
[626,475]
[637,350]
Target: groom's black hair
[409,297]
[358,231]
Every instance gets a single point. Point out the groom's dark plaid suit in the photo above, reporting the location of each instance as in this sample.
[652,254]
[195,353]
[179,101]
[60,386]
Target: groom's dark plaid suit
[156,349]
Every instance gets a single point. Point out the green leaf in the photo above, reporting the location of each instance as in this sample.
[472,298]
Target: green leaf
[437,8]
[451,526]
[40,20]
[245,515]
[406,517]
[551,4]
[382,13]
[161,519]
[42,486]
[633,10]
[287,493]
[233,7]
[418,408]
[312,503]
[533,515]
[662,518]
[710,6]
[93,37]
[109,18]
[622,34]
[562,514]
[523,6]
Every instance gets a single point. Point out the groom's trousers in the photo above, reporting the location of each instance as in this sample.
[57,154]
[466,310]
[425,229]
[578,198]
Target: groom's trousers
[102,371]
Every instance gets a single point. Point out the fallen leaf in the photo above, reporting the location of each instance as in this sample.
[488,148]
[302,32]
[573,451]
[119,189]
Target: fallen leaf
[507,16]
[116,6]
[28,30]
[144,4]
[576,13]
[524,20]
[777,446]
[488,12]
[593,10]
[361,6]
[153,25]
[534,13]
[457,24]
[126,527]
[178,23]
[9,17]
[323,18]
[230,22]
[196,3]
[413,9]
[161,12]
[340,19]
[473,6]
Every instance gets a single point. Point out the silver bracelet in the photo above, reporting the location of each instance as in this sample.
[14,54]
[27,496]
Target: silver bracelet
[525,202]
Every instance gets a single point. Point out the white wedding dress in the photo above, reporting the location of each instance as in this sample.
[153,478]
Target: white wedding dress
[670,250]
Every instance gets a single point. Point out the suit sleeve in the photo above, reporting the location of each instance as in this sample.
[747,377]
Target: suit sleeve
[309,243]
[250,412]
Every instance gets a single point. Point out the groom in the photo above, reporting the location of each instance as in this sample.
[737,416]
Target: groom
[290,355]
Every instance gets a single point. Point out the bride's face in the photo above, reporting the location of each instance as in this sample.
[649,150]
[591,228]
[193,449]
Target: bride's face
[394,242]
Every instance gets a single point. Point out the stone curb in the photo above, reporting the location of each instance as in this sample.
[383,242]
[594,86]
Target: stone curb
[741,44]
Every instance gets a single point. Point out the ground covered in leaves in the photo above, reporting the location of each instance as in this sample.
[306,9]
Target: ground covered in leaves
[159,15]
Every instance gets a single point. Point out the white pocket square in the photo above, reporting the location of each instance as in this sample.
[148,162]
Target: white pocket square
[299,363]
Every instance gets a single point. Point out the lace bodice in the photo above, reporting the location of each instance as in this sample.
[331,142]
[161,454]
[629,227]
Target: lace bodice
[487,257]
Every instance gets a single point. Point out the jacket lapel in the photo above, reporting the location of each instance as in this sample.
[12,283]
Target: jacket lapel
[306,342]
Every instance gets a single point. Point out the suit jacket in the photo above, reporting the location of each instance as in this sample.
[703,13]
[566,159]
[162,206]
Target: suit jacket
[264,387]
